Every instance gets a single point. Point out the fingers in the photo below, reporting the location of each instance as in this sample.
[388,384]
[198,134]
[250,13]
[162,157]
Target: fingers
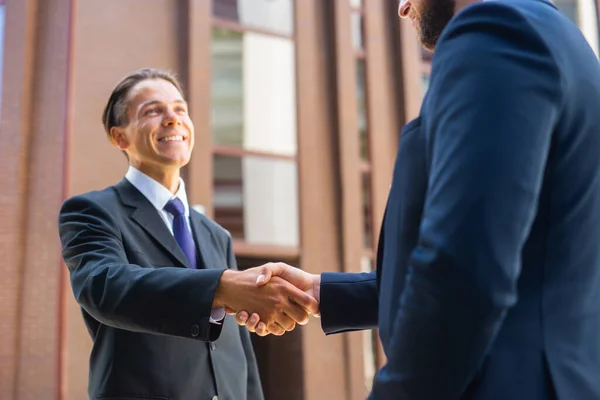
[275,329]
[261,329]
[242,317]
[253,322]
[303,299]
[297,313]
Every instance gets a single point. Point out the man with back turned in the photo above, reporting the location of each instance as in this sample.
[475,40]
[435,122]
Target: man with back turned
[488,265]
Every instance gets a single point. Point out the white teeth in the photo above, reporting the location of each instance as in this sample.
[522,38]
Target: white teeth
[177,138]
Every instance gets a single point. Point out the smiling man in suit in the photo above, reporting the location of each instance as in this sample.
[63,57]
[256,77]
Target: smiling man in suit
[153,276]
[488,265]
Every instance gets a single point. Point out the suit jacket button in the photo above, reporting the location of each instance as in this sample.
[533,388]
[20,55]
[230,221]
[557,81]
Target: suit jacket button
[213,346]
[195,330]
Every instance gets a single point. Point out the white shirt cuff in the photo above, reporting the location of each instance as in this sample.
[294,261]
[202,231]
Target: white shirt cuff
[217,315]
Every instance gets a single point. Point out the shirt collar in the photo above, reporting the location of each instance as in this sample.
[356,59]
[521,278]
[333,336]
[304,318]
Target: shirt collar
[157,194]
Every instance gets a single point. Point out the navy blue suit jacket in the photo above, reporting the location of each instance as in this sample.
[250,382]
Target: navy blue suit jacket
[488,278]
[146,311]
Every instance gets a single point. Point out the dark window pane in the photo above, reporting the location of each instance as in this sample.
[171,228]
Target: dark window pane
[275,16]
[362,109]
[226,9]
[367,211]
[256,199]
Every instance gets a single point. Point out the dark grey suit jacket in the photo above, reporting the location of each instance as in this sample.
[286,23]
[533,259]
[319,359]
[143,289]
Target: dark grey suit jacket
[146,311]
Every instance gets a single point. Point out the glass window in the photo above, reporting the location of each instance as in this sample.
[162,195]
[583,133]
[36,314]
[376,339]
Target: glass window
[588,22]
[367,211]
[356,21]
[425,82]
[275,16]
[584,14]
[256,199]
[362,109]
[253,92]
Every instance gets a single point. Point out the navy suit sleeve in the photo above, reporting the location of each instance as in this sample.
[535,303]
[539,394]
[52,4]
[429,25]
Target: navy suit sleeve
[348,302]
[494,100]
[170,301]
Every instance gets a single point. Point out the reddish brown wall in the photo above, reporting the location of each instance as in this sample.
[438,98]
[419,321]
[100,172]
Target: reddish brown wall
[65,57]
[33,138]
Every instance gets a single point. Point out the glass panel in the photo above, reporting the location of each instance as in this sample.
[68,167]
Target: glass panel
[227,96]
[256,199]
[584,14]
[356,22]
[253,92]
[425,82]
[276,16]
[568,8]
[588,22]
[362,109]
[367,211]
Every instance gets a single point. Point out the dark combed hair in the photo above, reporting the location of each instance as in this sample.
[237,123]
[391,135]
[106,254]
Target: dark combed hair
[115,112]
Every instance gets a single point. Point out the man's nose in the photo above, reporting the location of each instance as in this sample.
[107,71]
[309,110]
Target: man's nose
[403,8]
[171,118]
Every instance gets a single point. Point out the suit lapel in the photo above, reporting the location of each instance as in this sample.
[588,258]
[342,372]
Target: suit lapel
[205,246]
[145,215]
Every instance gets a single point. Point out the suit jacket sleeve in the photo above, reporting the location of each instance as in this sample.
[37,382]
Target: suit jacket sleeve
[493,102]
[170,301]
[348,302]
[254,386]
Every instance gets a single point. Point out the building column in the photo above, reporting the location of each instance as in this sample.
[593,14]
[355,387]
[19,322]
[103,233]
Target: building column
[33,140]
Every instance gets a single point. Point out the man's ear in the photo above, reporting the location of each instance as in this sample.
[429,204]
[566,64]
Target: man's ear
[119,138]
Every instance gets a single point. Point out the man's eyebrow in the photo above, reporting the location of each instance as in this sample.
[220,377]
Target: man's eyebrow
[153,102]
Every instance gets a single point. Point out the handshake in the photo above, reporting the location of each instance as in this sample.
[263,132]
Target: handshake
[269,299]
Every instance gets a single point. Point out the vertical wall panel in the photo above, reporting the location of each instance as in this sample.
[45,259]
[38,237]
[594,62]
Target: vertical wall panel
[350,178]
[198,88]
[409,61]
[38,373]
[323,357]
[14,147]
[34,134]
[385,115]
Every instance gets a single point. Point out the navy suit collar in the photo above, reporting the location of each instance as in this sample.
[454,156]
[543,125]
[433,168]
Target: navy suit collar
[146,216]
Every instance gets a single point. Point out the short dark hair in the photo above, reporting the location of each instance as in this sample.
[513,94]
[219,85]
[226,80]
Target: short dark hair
[115,112]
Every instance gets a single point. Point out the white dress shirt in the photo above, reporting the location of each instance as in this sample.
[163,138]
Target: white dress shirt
[159,196]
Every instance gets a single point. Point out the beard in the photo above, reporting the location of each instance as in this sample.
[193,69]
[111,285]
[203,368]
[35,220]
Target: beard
[435,16]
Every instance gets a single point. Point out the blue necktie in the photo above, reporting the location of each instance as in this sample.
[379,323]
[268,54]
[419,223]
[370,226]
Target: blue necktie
[181,230]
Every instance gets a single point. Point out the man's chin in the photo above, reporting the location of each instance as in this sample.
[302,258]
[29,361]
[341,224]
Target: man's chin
[174,161]
[427,42]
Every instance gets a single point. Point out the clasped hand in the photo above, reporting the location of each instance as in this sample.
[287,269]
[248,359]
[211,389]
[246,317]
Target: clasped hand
[270,299]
